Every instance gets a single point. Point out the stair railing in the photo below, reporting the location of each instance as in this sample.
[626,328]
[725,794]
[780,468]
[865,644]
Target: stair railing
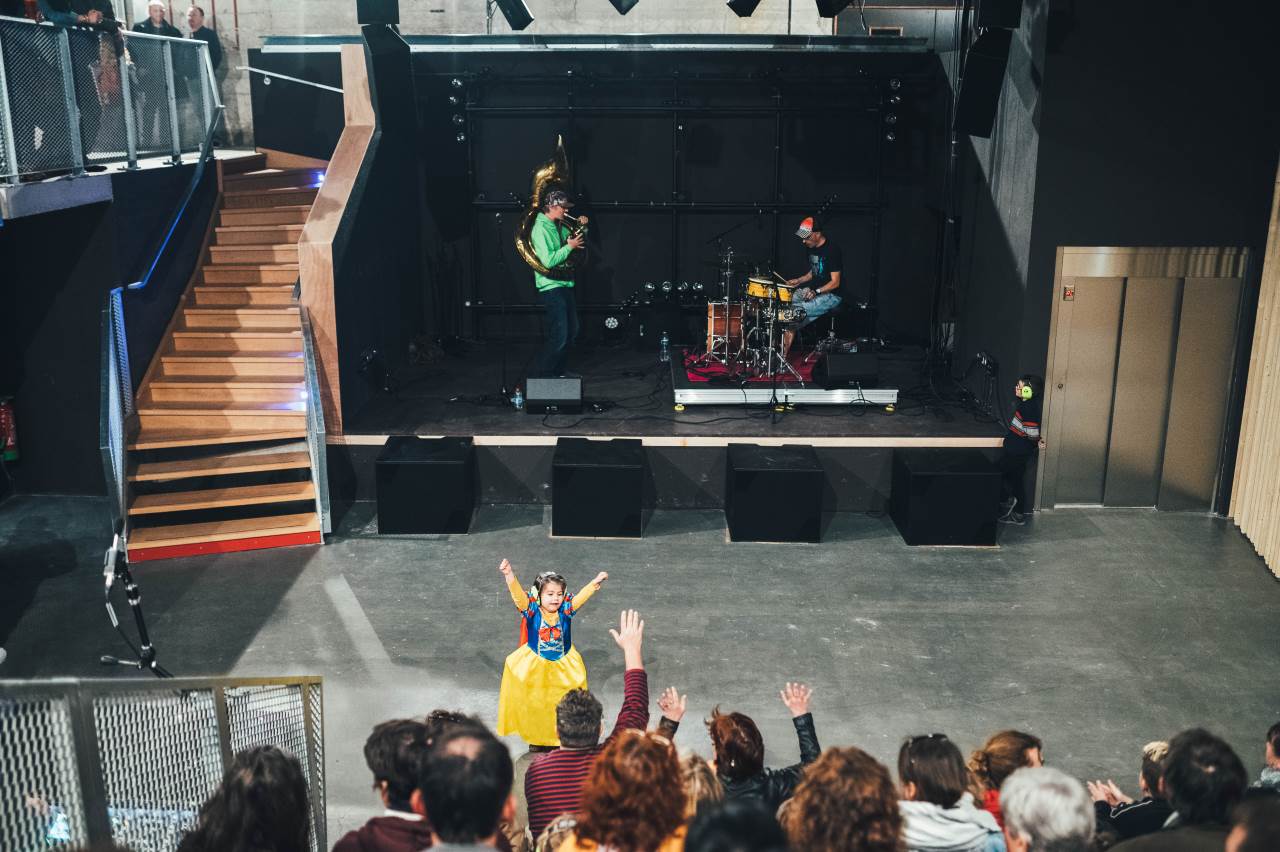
[316,445]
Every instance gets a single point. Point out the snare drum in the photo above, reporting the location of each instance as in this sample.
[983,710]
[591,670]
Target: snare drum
[760,288]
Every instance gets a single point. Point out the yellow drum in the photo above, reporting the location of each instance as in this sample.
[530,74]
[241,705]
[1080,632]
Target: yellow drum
[785,292]
[761,288]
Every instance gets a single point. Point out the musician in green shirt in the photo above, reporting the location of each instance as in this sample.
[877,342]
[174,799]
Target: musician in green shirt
[553,242]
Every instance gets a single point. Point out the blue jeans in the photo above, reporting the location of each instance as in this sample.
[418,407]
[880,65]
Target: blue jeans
[561,330]
[819,306]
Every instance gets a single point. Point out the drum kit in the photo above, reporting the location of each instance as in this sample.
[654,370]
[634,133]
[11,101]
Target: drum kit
[746,324]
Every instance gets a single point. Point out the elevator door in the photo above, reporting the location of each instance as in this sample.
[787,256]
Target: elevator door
[1140,367]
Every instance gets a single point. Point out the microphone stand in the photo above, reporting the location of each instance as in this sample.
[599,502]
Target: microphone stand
[116,568]
[502,300]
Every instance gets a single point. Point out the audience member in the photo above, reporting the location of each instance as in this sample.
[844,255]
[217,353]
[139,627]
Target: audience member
[1255,825]
[938,812]
[72,13]
[1046,810]
[1005,753]
[261,804]
[438,720]
[1270,777]
[1203,780]
[556,833]
[739,751]
[195,20]
[394,754]
[553,784]
[155,24]
[1122,816]
[632,801]
[464,788]
[736,825]
[701,786]
[845,803]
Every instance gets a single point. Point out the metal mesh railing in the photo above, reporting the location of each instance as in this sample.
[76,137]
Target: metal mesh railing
[73,97]
[131,762]
[115,401]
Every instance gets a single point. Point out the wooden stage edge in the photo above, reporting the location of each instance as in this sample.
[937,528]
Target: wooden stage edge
[991,442]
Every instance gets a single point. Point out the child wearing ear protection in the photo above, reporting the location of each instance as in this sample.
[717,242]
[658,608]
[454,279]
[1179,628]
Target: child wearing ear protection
[546,665]
[1021,443]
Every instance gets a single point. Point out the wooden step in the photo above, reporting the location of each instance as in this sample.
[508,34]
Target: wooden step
[187,534]
[161,438]
[244,217]
[284,318]
[229,342]
[254,254]
[240,165]
[218,498]
[227,392]
[256,273]
[285,365]
[257,234]
[231,296]
[273,179]
[208,415]
[223,464]
[258,198]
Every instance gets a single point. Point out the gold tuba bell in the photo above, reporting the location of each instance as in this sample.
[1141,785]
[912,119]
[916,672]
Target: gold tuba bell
[553,174]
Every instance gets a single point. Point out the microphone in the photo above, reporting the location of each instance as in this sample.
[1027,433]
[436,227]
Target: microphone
[109,564]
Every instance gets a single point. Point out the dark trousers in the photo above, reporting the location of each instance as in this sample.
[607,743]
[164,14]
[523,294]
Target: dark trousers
[1013,478]
[561,312]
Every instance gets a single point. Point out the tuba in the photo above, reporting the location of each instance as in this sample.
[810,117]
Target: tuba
[553,174]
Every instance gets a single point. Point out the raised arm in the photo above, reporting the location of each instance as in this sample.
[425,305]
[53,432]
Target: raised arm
[672,704]
[796,697]
[635,692]
[518,595]
[588,590]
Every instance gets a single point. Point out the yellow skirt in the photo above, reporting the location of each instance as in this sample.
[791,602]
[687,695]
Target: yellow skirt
[531,689]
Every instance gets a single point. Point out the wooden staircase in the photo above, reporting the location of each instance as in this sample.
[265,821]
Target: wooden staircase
[218,457]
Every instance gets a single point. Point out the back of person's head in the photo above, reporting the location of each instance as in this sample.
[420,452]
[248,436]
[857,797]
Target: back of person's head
[736,825]
[633,799]
[1273,741]
[1047,810]
[1255,824]
[1153,755]
[465,783]
[578,719]
[440,719]
[556,832]
[846,801]
[701,785]
[738,745]
[934,768]
[1035,381]
[393,753]
[261,804]
[1003,754]
[1203,777]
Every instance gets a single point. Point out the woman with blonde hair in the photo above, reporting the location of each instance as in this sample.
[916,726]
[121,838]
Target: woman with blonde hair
[1003,754]
[700,784]
[846,803]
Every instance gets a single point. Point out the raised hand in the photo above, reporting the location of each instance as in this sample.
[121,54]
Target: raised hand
[630,638]
[600,578]
[672,704]
[506,570]
[796,697]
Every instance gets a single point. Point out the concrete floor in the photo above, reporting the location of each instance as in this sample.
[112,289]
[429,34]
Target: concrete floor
[1097,630]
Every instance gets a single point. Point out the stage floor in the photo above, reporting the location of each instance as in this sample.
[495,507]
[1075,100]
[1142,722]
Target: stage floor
[459,396]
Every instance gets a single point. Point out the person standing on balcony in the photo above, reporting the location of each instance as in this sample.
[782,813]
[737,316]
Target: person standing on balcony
[154,130]
[195,20]
[155,24]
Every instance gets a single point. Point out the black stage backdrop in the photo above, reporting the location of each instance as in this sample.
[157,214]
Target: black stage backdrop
[669,148]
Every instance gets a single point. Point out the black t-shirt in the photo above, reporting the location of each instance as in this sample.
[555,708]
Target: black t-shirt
[824,260]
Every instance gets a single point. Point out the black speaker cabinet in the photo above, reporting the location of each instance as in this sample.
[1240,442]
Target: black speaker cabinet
[426,485]
[553,396]
[998,13]
[980,89]
[945,496]
[846,369]
[378,12]
[598,488]
[773,493]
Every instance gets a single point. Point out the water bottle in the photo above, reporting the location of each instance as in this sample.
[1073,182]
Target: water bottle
[517,399]
[664,348]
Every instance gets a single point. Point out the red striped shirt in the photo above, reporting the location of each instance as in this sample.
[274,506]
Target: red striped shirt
[553,784]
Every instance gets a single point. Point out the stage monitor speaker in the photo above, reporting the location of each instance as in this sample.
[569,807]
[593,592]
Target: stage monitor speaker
[553,396]
[1006,14]
[980,87]
[944,496]
[846,369]
[516,13]
[425,485]
[773,493]
[831,8]
[598,488]
[743,8]
[378,12]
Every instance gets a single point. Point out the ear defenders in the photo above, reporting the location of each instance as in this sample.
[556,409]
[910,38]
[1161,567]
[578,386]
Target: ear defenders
[1026,392]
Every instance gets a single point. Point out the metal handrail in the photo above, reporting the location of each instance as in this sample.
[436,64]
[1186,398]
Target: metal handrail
[316,444]
[280,76]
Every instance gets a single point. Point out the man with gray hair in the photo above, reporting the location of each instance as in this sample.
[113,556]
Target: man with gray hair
[1046,810]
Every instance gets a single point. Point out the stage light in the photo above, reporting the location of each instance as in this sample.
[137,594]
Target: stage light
[743,8]
[697,286]
[891,118]
[648,285]
[891,136]
[459,120]
[611,323]
[624,6]
[456,83]
[831,8]
[895,99]
[666,286]
[684,285]
[461,137]
[453,100]
[895,84]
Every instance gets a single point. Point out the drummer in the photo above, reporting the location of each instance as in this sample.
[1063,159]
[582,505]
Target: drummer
[826,268]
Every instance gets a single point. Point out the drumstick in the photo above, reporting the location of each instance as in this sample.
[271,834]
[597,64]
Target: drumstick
[779,277]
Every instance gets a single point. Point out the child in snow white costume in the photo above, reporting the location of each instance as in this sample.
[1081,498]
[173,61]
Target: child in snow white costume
[546,665]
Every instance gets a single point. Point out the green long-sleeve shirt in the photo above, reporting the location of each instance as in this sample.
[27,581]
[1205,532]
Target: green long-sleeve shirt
[549,245]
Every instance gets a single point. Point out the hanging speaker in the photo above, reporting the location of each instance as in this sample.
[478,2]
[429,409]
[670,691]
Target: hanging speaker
[743,8]
[831,8]
[1005,14]
[624,6]
[980,87]
[516,13]
[386,12]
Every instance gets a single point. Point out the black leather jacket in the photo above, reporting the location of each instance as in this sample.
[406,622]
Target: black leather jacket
[774,786]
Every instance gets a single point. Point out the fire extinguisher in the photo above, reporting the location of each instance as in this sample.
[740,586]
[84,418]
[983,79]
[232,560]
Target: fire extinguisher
[8,430]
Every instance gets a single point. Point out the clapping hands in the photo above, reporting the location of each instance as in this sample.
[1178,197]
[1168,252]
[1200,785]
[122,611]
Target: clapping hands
[1107,792]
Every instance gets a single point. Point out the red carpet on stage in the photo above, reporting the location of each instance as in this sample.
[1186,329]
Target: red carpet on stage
[700,370]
